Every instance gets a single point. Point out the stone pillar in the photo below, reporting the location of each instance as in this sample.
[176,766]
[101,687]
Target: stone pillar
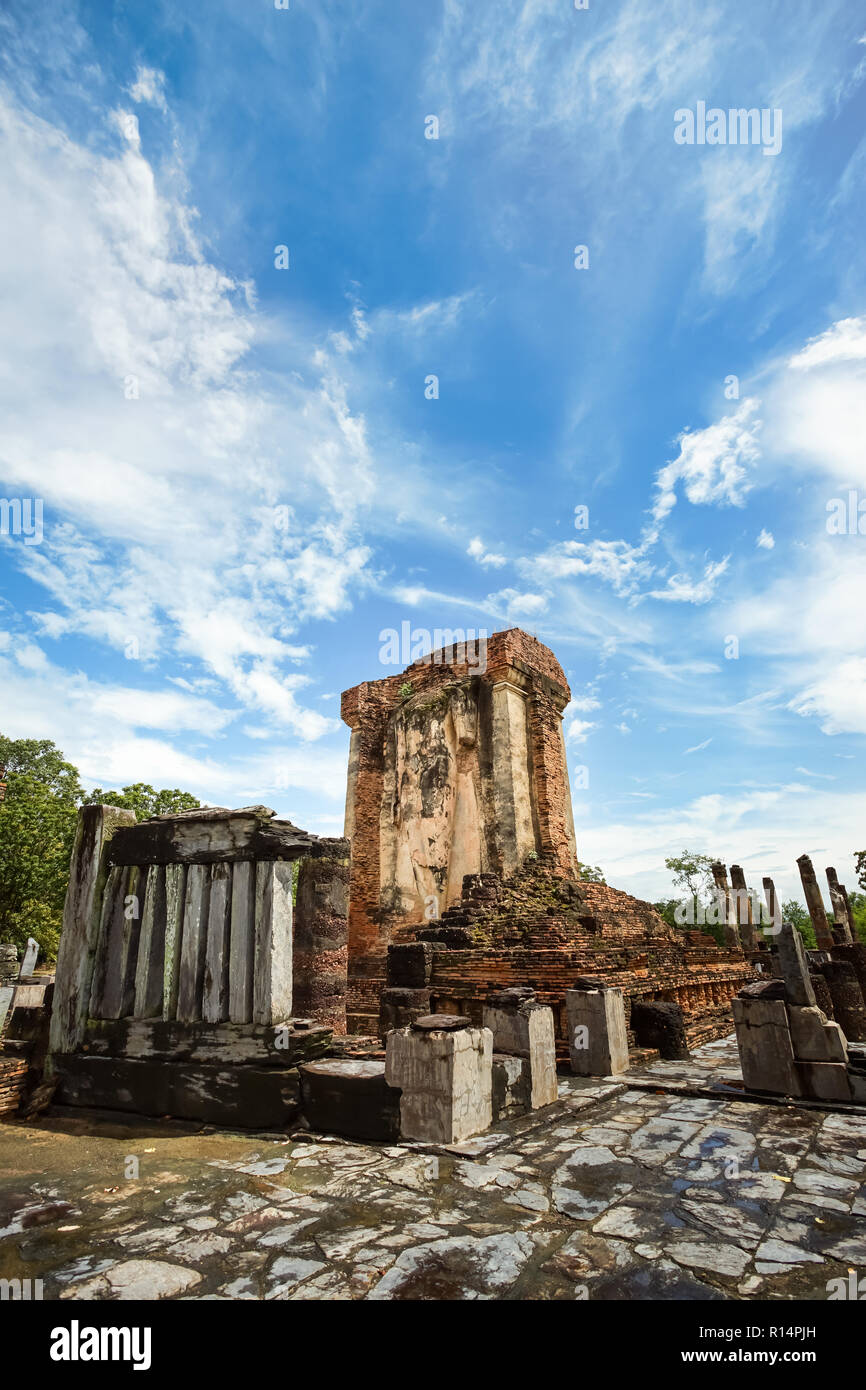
[444,1068]
[597,1037]
[321,940]
[743,908]
[523,1031]
[815,903]
[772,905]
[731,930]
[823,998]
[794,967]
[81,917]
[852,927]
[272,974]
[848,1007]
[840,905]
[512,797]
[764,1039]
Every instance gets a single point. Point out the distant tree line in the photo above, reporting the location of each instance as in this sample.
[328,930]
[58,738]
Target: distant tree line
[37,827]
[692,875]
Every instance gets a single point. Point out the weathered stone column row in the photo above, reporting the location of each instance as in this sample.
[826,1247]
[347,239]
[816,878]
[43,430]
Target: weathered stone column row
[196,942]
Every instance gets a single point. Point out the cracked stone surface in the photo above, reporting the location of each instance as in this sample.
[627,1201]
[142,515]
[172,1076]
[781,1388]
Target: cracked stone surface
[643,1188]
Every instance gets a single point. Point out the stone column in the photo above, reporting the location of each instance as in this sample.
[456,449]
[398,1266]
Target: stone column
[550,775]
[848,1007]
[523,1031]
[732,933]
[794,967]
[764,1039]
[772,905]
[444,1068]
[512,797]
[81,916]
[850,912]
[272,974]
[743,909]
[815,903]
[840,905]
[597,1037]
[321,939]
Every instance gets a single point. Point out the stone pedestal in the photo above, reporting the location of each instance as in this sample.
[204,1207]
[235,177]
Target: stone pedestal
[814,1038]
[764,1040]
[597,1038]
[444,1068]
[398,1006]
[523,1028]
[350,1097]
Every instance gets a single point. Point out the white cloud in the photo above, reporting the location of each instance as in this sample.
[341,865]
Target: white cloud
[166,463]
[149,87]
[766,540]
[698,747]
[617,563]
[489,559]
[714,464]
[681,589]
[845,341]
[518,605]
[837,698]
[763,829]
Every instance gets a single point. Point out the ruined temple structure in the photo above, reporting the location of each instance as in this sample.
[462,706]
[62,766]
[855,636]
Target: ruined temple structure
[202,956]
[459,814]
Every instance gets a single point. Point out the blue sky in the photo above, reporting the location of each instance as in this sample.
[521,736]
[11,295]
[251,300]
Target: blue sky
[244,483]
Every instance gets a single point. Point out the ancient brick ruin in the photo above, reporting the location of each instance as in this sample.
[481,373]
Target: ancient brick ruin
[459,814]
[220,965]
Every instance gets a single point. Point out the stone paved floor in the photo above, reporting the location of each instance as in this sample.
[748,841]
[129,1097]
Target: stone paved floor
[621,1190]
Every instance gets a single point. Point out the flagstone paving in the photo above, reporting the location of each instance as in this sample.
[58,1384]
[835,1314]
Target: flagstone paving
[621,1190]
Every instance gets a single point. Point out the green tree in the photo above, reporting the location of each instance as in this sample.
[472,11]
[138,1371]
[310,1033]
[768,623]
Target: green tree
[860,867]
[590,873]
[858,909]
[144,801]
[796,914]
[692,874]
[37,827]
[666,907]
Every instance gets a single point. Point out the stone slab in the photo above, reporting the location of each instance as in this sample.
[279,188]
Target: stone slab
[350,1097]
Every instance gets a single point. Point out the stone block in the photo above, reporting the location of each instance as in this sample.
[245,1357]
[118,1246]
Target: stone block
[822,994]
[659,1024]
[764,1045]
[848,1007]
[350,1097]
[814,1038]
[410,966]
[597,1038]
[251,1097]
[445,1074]
[397,1007]
[793,966]
[824,1080]
[521,1027]
[512,1086]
